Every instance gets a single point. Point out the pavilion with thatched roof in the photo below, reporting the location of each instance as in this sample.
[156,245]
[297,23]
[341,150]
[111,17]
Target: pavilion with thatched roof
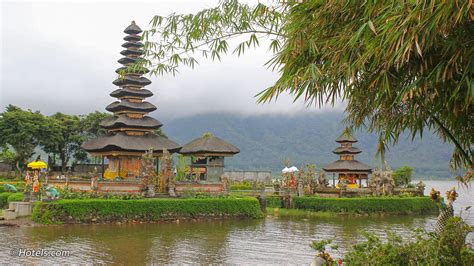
[347,167]
[207,156]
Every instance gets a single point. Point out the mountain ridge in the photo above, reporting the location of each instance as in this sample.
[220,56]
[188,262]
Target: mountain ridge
[266,140]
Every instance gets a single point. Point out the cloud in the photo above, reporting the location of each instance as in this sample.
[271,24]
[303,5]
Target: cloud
[61,57]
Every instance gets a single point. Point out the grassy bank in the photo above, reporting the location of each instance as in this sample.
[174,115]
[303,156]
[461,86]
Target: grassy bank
[103,210]
[392,205]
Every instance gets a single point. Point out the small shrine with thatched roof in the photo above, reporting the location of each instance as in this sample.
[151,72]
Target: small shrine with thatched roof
[347,168]
[207,157]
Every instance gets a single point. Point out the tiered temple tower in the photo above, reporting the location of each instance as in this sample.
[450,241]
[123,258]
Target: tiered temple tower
[131,132]
[347,167]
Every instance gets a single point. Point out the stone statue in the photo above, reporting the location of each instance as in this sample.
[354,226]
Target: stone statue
[388,184]
[300,186]
[225,179]
[284,181]
[172,185]
[148,173]
[276,186]
[342,186]
[421,188]
[322,181]
[374,182]
[166,171]
[94,180]
[382,182]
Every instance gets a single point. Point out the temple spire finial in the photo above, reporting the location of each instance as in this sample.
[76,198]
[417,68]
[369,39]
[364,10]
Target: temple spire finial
[133,29]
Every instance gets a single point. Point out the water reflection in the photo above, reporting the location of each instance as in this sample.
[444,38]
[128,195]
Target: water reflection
[273,240]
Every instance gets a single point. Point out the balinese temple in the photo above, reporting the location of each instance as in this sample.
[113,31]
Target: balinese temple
[207,157]
[130,131]
[347,167]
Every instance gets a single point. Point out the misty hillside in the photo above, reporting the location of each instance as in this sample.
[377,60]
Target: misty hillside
[265,141]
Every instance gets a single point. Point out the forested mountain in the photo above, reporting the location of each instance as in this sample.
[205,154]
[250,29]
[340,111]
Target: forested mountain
[265,141]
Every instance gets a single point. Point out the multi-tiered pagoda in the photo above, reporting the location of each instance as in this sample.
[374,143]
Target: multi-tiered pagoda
[131,132]
[347,167]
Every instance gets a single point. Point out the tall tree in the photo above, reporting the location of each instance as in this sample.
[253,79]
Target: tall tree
[399,65]
[63,138]
[21,130]
[90,124]
[402,175]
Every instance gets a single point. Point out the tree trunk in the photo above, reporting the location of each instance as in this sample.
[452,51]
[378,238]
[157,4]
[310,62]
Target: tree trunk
[63,162]
[18,168]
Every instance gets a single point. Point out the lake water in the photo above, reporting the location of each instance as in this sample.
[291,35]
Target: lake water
[273,240]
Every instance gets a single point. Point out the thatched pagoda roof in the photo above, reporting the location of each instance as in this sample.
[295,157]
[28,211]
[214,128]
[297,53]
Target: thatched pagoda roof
[125,105]
[347,166]
[123,142]
[132,29]
[346,150]
[345,137]
[129,133]
[132,44]
[133,70]
[132,37]
[128,52]
[144,93]
[209,144]
[122,121]
[129,80]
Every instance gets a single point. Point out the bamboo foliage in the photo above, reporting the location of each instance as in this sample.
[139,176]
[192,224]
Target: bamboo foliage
[399,65]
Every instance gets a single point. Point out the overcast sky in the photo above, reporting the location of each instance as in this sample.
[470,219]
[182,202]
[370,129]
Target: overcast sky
[61,57]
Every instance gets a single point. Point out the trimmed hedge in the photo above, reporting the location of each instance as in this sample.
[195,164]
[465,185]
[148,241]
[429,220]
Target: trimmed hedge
[103,210]
[7,197]
[4,199]
[16,197]
[241,187]
[397,205]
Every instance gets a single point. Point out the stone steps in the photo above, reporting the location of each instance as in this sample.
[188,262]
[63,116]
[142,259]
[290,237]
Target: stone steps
[17,209]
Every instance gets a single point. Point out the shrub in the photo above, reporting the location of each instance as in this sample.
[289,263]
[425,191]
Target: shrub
[273,202]
[367,204]
[241,187]
[4,199]
[66,193]
[426,249]
[102,210]
[402,176]
[16,197]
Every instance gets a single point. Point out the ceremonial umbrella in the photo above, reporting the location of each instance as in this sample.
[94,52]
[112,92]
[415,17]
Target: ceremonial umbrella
[37,165]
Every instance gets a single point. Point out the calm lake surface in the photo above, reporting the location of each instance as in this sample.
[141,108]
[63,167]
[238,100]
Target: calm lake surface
[273,240]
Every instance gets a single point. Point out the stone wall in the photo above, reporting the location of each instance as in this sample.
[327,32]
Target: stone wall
[265,176]
[104,186]
[5,167]
[84,169]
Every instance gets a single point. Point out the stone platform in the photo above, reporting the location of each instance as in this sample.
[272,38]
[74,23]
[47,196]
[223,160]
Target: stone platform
[18,209]
[134,186]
